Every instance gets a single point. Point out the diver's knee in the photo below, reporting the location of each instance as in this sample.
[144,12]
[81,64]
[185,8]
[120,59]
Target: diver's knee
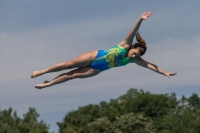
[68,65]
[71,76]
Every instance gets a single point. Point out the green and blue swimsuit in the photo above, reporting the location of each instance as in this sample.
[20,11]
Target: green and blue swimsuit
[113,57]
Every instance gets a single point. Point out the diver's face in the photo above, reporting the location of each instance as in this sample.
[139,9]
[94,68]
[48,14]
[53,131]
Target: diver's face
[134,53]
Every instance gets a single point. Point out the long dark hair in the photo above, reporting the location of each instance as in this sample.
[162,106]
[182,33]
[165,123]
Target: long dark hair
[140,43]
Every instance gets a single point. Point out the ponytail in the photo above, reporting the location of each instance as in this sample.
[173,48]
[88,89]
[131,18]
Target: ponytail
[140,43]
[140,39]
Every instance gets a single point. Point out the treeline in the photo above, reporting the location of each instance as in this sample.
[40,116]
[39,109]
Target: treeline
[134,112]
[10,122]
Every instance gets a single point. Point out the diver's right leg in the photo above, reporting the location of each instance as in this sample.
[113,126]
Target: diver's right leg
[83,72]
[82,60]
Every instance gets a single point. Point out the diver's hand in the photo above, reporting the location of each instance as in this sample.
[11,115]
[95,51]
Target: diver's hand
[145,15]
[169,74]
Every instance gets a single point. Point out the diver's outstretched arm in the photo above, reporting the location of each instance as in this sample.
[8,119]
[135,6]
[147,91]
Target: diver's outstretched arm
[128,40]
[143,63]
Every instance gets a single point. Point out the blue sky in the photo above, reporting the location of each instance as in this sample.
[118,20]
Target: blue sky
[36,34]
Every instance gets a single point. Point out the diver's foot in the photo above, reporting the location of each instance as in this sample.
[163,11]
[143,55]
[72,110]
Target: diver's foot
[40,86]
[35,74]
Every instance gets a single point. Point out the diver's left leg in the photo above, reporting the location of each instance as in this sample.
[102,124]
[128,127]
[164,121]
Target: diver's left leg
[82,60]
[83,72]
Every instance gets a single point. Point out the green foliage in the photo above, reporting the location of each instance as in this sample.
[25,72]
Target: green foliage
[184,119]
[11,123]
[151,105]
[194,100]
[113,114]
[136,111]
[123,124]
[76,120]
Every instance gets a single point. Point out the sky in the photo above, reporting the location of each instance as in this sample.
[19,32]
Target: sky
[35,34]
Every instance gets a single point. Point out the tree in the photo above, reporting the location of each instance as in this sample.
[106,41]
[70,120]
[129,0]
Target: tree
[184,118]
[77,120]
[10,122]
[127,123]
[194,100]
[150,106]
[136,111]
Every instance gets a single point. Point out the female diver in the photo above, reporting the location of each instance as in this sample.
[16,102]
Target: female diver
[92,63]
